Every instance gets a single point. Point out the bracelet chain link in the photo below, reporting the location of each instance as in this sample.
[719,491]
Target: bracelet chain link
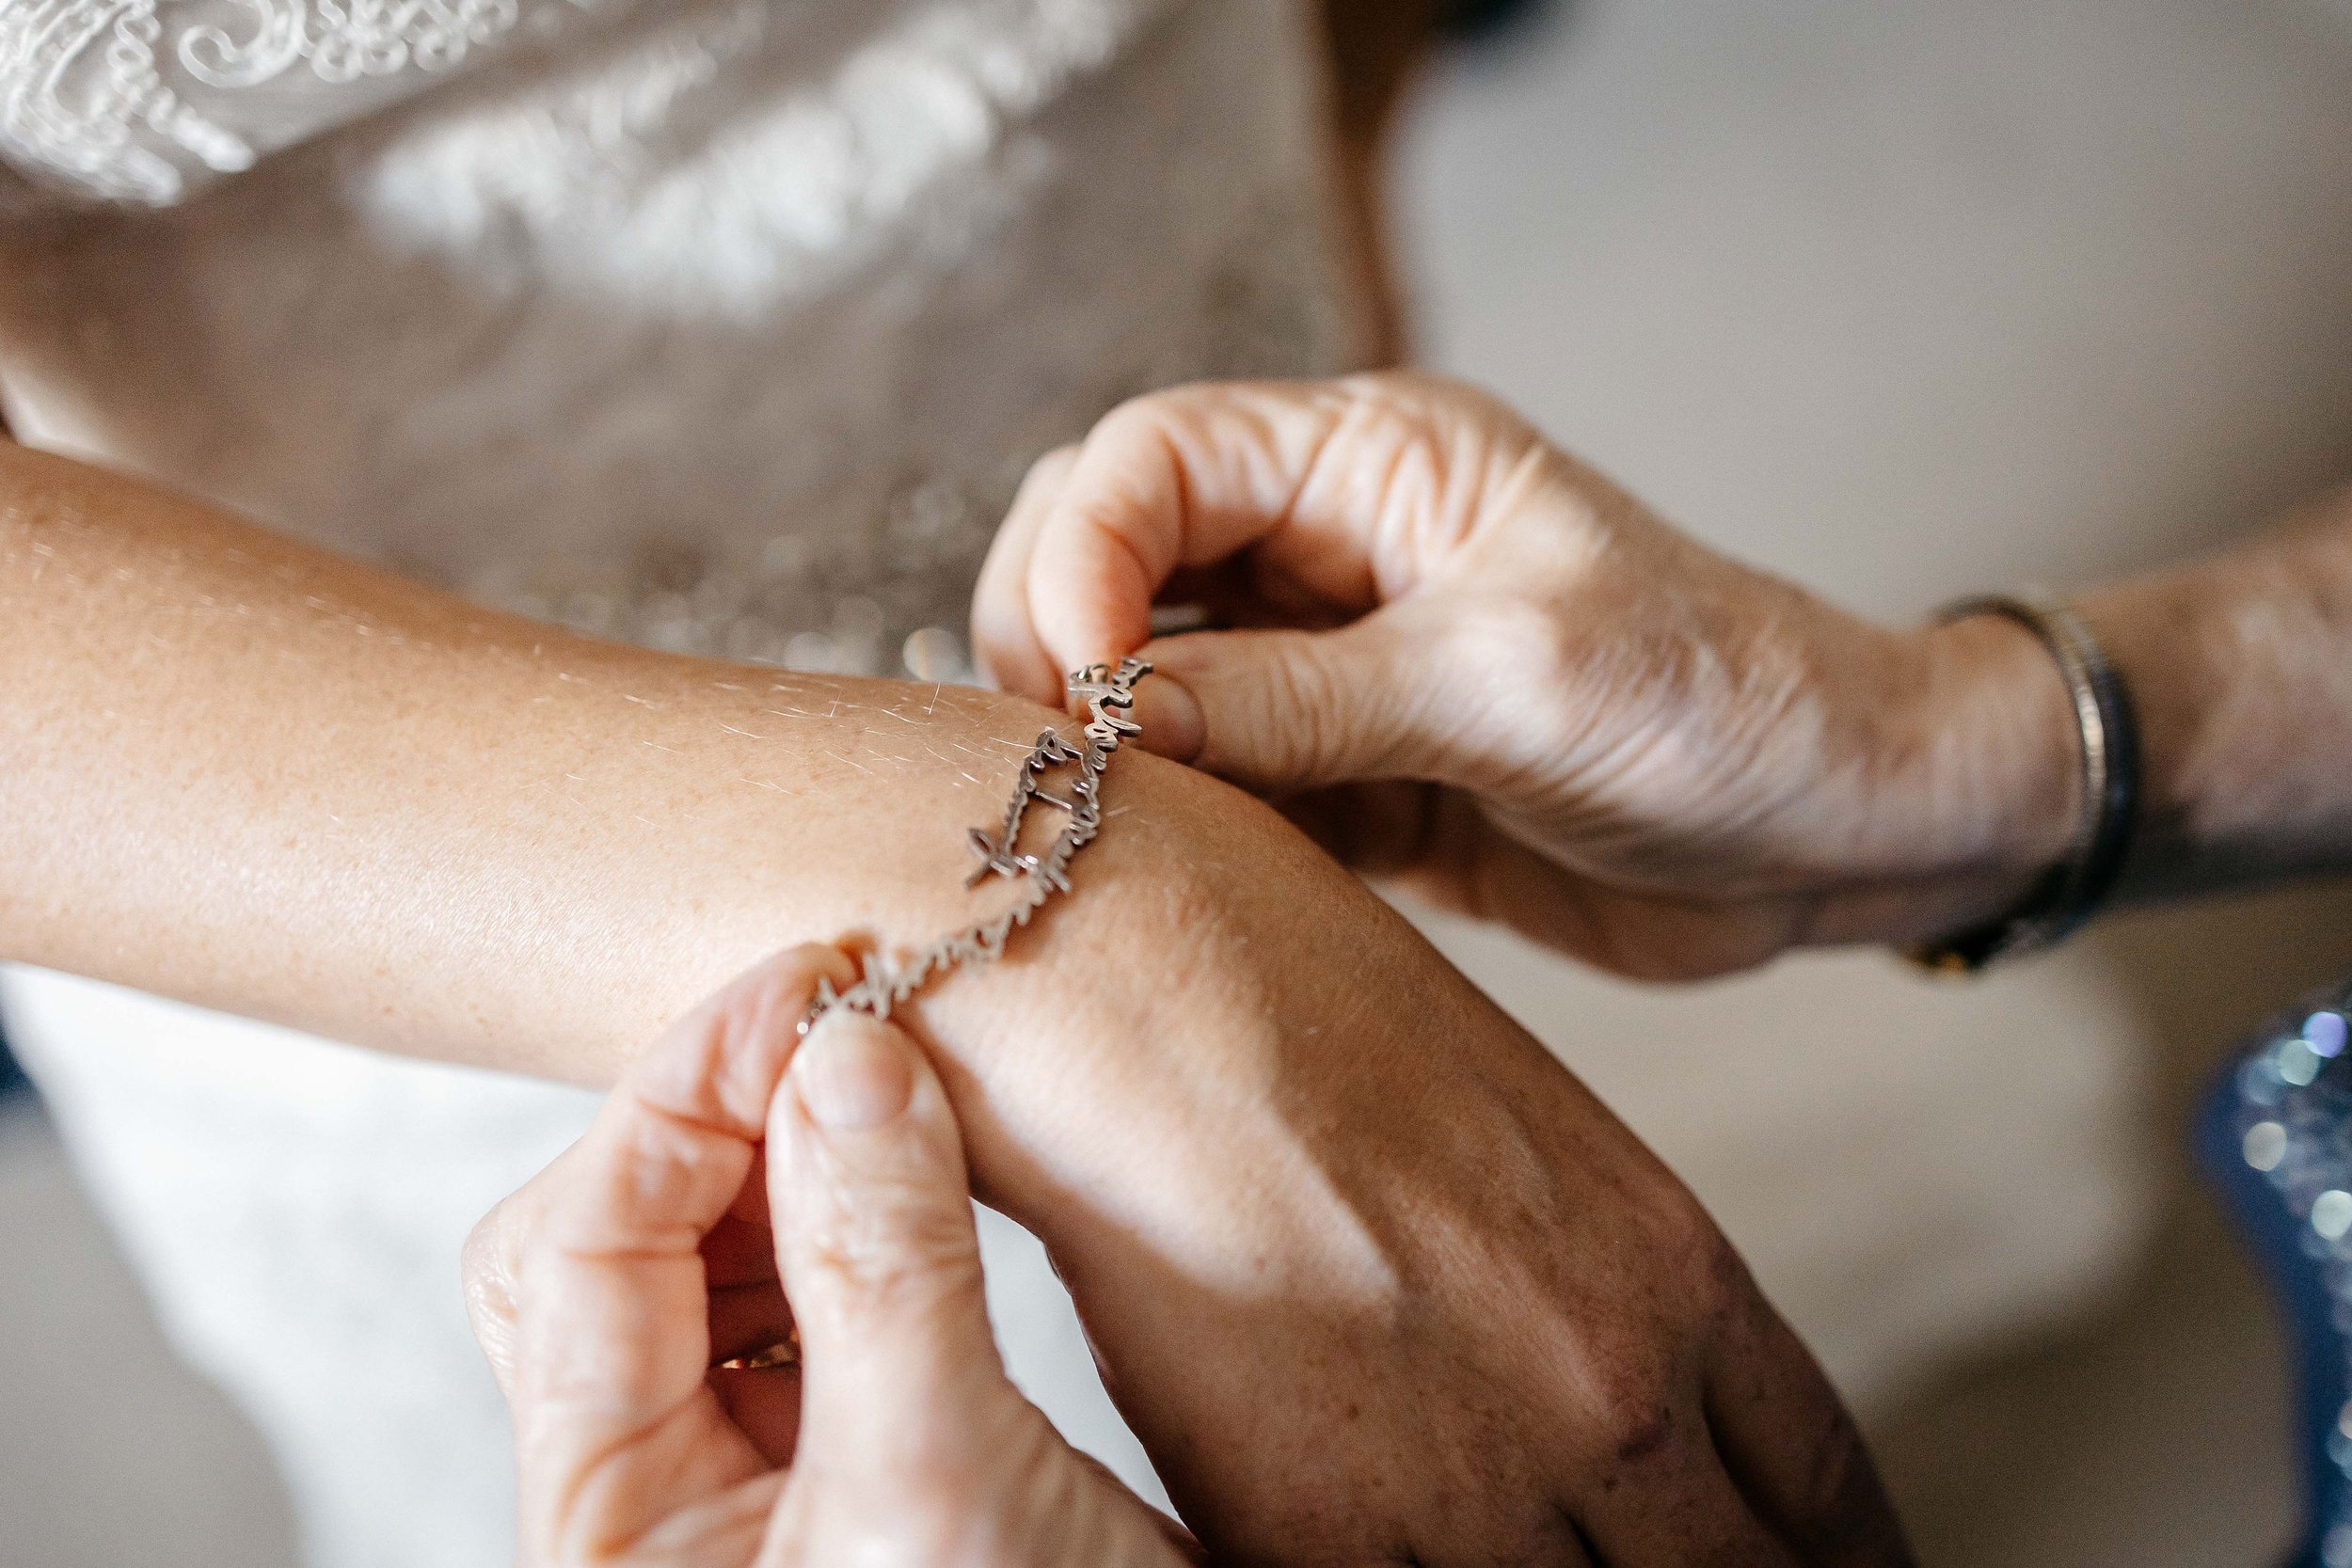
[1110,696]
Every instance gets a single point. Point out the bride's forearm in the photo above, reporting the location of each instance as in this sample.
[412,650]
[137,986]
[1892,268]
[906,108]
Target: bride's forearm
[261,777]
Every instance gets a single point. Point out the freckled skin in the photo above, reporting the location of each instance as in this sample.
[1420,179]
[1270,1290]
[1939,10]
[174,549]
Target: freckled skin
[442,792]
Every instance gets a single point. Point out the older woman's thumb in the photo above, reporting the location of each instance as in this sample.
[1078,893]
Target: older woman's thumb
[875,1237]
[1282,711]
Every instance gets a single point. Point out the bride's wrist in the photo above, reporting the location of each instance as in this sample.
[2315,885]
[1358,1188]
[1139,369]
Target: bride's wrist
[1139,1022]
[1166,1025]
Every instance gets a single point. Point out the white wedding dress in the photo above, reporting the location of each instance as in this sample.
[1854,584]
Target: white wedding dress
[725,327]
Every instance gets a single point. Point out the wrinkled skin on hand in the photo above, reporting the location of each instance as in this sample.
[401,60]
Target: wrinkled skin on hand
[610,1290]
[1464,659]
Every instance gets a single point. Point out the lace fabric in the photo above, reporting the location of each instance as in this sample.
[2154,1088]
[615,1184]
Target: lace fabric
[143,101]
[729,330]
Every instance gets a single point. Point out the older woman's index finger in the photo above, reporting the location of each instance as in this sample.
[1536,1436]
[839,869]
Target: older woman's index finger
[1175,479]
[615,1423]
[1004,640]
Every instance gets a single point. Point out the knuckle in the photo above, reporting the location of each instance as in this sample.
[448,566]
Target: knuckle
[668,1174]
[730,1074]
[1639,1364]
[476,1259]
[1313,731]
[893,1256]
[1136,448]
[486,1262]
[1634,1413]
[1045,475]
[1457,441]
[490,1291]
[1144,416]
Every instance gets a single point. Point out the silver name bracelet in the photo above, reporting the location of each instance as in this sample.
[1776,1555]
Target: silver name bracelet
[1110,696]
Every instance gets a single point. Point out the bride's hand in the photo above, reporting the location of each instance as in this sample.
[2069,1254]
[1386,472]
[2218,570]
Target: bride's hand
[1372,1276]
[1475,664]
[607,1291]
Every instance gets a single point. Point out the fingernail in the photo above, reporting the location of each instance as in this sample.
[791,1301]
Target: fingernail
[1170,717]
[852,1076]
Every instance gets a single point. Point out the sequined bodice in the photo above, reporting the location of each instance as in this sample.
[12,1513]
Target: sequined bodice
[725,326]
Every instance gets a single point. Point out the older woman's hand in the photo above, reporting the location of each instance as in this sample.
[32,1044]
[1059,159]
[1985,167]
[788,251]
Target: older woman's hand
[1410,1295]
[1536,700]
[607,1293]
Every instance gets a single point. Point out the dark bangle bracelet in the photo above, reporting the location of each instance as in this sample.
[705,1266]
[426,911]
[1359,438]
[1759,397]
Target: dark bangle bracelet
[2067,895]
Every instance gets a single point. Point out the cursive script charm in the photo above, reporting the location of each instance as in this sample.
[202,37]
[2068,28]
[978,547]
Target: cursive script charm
[1110,696]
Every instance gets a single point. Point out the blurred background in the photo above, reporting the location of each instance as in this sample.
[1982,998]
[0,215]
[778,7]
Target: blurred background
[1903,299]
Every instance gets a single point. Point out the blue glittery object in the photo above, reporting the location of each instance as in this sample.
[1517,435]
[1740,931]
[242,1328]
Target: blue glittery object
[2276,1136]
[2324,1030]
